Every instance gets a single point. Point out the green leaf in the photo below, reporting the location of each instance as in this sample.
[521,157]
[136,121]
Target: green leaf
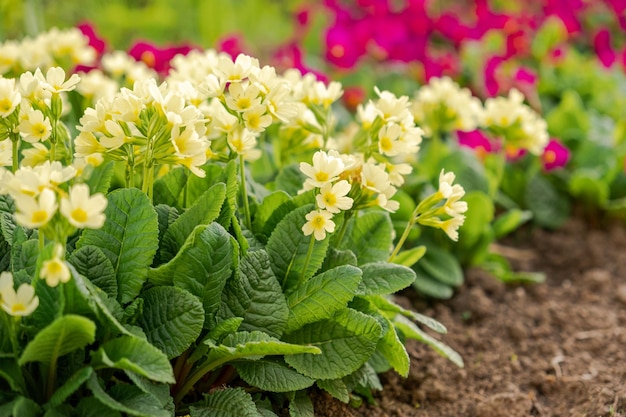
[510,221]
[272,374]
[390,309]
[411,331]
[62,336]
[23,407]
[127,399]
[385,278]
[392,348]
[253,345]
[24,256]
[129,238]
[91,407]
[300,405]
[160,392]
[204,211]
[440,265]
[136,355]
[290,179]
[172,319]
[336,257]
[166,215]
[169,188]
[202,266]
[478,218]
[230,402]
[69,387]
[229,208]
[267,210]
[91,262]
[335,387]
[255,295]
[550,208]
[11,372]
[410,257]
[431,287]
[287,248]
[322,296]
[99,179]
[370,237]
[223,328]
[346,340]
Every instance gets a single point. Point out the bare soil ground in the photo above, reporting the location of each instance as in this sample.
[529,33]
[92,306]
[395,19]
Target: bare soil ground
[553,349]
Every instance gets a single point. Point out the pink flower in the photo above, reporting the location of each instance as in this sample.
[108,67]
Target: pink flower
[232,45]
[555,155]
[290,56]
[95,41]
[477,141]
[156,57]
[604,50]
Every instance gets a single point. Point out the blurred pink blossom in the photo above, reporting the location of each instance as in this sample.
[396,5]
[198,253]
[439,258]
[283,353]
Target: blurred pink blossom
[555,155]
[155,57]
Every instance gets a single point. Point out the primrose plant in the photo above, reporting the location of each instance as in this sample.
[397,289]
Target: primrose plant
[147,269]
[498,128]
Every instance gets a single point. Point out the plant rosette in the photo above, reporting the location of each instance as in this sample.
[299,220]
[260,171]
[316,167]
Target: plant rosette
[149,270]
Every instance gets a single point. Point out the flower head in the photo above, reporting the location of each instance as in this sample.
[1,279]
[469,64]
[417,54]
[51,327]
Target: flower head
[55,270]
[555,155]
[33,212]
[18,303]
[319,222]
[83,210]
[333,197]
[325,169]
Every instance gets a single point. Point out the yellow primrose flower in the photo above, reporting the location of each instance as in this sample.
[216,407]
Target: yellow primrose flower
[333,197]
[33,212]
[20,303]
[55,270]
[83,210]
[319,222]
[34,127]
[9,96]
[325,169]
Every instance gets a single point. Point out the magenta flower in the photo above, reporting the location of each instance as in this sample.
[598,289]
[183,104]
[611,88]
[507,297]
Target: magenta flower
[95,41]
[232,45]
[477,141]
[604,50]
[156,57]
[555,155]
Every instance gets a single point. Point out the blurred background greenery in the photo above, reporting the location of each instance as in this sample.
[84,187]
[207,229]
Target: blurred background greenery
[121,22]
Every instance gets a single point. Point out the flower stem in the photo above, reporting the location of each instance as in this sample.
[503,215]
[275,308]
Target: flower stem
[244,193]
[414,216]
[306,261]
[15,156]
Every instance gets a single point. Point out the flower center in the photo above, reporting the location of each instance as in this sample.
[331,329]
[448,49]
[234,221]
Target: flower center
[40,216]
[79,215]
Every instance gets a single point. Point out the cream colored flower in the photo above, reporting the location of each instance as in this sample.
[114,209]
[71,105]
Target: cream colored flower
[238,70]
[389,140]
[6,153]
[10,97]
[243,142]
[55,80]
[242,97]
[21,303]
[325,169]
[83,210]
[34,126]
[55,270]
[36,155]
[333,197]
[33,212]
[374,177]
[6,281]
[257,119]
[319,222]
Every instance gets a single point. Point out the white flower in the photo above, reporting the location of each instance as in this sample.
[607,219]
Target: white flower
[388,140]
[333,197]
[55,270]
[319,222]
[238,70]
[34,127]
[10,97]
[83,210]
[374,177]
[55,80]
[21,303]
[257,119]
[325,169]
[36,155]
[6,281]
[6,153]
[242,97]
[451,226]
[35,212]
[243,142]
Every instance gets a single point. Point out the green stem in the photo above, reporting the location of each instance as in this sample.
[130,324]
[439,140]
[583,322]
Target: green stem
[414,216]
[16,146]
[244,193]
[344,227]
[52,376]
[197,376]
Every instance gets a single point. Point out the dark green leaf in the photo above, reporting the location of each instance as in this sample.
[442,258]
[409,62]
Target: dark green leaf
[385,278]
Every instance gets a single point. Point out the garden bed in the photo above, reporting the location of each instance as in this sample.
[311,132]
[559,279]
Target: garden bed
[555,349]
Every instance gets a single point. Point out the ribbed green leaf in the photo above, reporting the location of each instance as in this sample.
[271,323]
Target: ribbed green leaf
[336,257]
[287,248]
[385,278]
[253,345]
[370,237]
[127,399]
[69,387]
[392,348]
[99,179]
[136,355]
[202,266]
[335,387]
[255,295]
[129,238]
[267,208]
[391,309]
[271,374]
[300,405]
[93,264]
[230,402]
[172,319]
[411,331]
[346,340]
[91,407]
[159,391]
[205,210]
[322,296]
[169,188]
[410,257]
[62,336]
[24,256]
[229,208]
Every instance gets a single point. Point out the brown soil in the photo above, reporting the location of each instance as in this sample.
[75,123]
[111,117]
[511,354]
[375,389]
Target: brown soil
[554,349]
